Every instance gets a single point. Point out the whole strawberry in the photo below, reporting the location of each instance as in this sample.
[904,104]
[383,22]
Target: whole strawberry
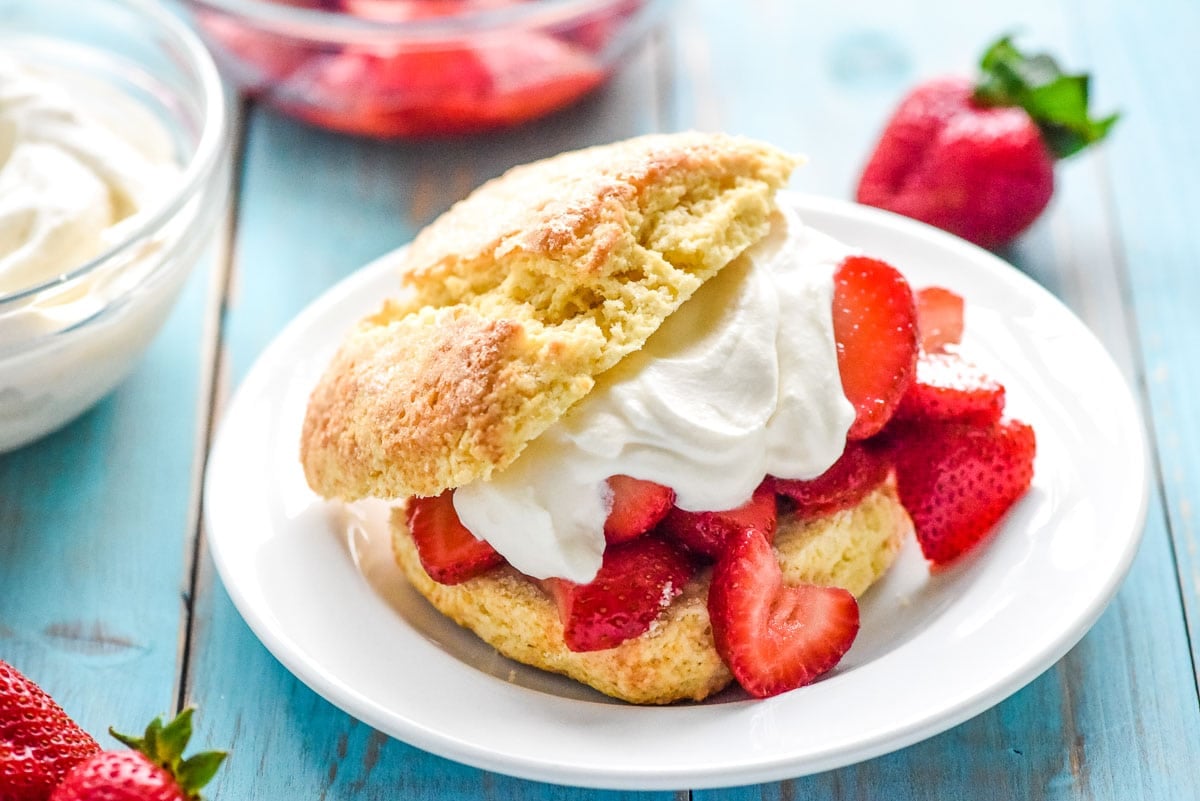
[154,770]
[977,158]
[39,743]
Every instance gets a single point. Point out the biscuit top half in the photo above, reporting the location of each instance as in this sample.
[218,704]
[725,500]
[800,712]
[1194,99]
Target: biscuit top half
[518,297]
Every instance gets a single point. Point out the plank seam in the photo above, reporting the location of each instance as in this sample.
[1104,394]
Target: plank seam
[210,388]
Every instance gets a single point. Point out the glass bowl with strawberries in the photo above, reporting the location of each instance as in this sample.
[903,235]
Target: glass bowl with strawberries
[421,68]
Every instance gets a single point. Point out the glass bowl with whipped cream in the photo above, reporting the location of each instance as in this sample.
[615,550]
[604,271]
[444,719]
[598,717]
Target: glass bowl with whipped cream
[114,142]
[421,68]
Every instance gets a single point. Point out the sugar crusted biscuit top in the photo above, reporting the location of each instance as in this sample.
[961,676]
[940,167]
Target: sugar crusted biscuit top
[519,296]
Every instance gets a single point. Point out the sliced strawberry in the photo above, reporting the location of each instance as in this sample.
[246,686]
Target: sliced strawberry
[950,388]
[775,638]
[449,552]
[958,479]
[532,74]
[440,87]
[636,581]
[637,506]
[597,30]
[875,327]
[389,92]
[861,468]
[939,318]
[705,533]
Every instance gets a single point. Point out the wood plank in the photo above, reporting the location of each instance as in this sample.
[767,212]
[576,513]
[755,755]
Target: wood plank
[1068,734]
[1140,55]
[300,231]
[96,535]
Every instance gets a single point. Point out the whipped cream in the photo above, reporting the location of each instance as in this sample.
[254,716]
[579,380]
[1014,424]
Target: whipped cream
[740,382]
[84,164]
[80,167]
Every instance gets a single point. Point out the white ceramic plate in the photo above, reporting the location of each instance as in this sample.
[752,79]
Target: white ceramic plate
[933,650]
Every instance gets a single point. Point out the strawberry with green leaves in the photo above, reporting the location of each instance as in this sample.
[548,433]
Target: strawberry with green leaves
[39,742]
[154,770]
[977,158]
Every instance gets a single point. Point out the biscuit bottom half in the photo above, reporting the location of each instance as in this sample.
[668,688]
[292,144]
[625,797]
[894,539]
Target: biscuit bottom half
[676,659]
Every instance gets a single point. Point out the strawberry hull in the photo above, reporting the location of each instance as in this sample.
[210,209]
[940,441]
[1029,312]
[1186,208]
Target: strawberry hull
[976,157]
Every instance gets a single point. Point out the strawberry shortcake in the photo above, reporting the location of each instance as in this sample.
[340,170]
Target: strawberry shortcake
[644,427]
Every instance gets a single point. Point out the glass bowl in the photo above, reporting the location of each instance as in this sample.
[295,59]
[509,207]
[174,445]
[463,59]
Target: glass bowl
[421,68]
[68,337]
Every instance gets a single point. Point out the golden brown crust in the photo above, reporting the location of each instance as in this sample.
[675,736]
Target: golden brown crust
[519,296]
[676,660]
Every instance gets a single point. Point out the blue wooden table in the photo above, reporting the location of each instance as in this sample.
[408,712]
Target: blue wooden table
[108,596]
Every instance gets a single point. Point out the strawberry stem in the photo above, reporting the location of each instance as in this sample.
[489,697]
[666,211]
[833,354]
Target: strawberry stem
[1057,101]
[164,746]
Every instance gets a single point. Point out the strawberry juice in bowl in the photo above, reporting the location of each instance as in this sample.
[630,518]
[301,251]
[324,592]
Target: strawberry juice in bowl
[416,68]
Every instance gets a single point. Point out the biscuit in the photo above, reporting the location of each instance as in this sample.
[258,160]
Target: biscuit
[676,659]
[518,297]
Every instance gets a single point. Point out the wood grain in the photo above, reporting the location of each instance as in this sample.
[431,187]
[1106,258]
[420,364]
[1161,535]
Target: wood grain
[1067,735]
[96,534]
[1155,202]
[98,522]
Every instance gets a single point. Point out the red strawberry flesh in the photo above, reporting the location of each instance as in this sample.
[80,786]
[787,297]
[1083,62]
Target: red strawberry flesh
[948,387]
[875,328]
[448,551]
[636,581]
[939,318]
[957,480]
[637,506]
[705,533]
[773,637]
[861,468]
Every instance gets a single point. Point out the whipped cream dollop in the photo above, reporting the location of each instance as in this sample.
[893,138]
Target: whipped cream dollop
[740,382]
[80,166]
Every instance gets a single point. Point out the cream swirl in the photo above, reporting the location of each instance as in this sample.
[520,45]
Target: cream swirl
[739,383]
[71,185]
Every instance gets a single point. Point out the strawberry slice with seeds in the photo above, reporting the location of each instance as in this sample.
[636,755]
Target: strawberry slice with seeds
[636,581]
[448,551]
[875,328]
[957,480]
[705,533]
[637,506]
[861,468]
[939,318]
[948,387]
[775,638]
